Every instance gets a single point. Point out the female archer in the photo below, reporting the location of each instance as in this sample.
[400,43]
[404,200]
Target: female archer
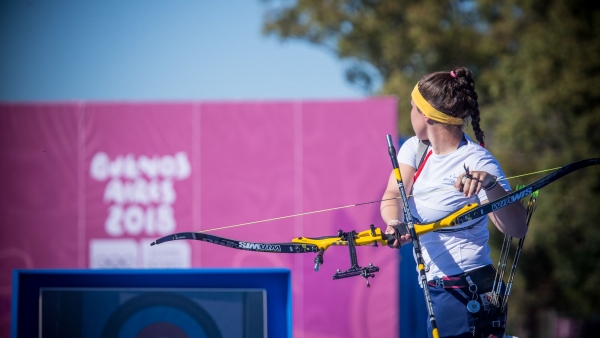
[454,171]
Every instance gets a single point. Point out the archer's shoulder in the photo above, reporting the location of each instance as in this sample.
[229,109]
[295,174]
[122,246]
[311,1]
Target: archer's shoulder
[409,147]
[480,157]
[408,152]
[412,142]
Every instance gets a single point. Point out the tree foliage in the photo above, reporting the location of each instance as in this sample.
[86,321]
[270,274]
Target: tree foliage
[537,69]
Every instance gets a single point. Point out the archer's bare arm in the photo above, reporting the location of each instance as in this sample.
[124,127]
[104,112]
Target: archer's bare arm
[511,219]
[391,206]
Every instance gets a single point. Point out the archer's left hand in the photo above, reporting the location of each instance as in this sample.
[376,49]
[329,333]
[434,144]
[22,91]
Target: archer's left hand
[394,229]
[471,184]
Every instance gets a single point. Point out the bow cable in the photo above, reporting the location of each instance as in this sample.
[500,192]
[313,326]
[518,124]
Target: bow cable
[357,204]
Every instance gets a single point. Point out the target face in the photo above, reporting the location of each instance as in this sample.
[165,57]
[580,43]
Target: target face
[150,313]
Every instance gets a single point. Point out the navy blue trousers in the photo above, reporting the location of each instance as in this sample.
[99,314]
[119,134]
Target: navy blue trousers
[450,310]
[452,317]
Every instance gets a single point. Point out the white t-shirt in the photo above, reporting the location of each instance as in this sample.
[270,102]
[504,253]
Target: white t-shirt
[450,251]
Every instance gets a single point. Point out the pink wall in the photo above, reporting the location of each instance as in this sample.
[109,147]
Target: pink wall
[91,184]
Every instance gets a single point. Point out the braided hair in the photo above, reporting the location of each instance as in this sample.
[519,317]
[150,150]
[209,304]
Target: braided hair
[453,93]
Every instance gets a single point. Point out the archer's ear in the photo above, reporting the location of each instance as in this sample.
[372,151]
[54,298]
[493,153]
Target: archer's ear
[428,120]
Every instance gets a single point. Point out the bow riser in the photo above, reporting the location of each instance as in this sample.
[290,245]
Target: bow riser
[367,237]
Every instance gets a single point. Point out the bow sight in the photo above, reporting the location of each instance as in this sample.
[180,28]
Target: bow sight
[351,239]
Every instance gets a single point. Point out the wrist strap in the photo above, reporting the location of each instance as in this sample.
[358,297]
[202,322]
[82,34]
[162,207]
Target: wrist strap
[492,184]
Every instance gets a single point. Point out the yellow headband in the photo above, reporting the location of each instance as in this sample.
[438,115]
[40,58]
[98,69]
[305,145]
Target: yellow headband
[428,110]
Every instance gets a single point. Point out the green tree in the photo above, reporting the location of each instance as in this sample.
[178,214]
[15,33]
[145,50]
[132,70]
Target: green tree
[537,69]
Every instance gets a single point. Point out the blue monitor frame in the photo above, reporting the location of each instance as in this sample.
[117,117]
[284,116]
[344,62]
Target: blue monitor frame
[26,286]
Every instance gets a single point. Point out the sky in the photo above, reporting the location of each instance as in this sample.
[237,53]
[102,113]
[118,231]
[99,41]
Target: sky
[157,50]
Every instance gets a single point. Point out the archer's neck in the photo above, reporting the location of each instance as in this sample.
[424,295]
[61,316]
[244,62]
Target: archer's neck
[443,140]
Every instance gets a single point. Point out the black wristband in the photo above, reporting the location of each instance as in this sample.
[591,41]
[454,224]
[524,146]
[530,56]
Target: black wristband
[492,184]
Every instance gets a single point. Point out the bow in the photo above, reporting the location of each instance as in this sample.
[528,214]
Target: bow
[352,239]
[373,236]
